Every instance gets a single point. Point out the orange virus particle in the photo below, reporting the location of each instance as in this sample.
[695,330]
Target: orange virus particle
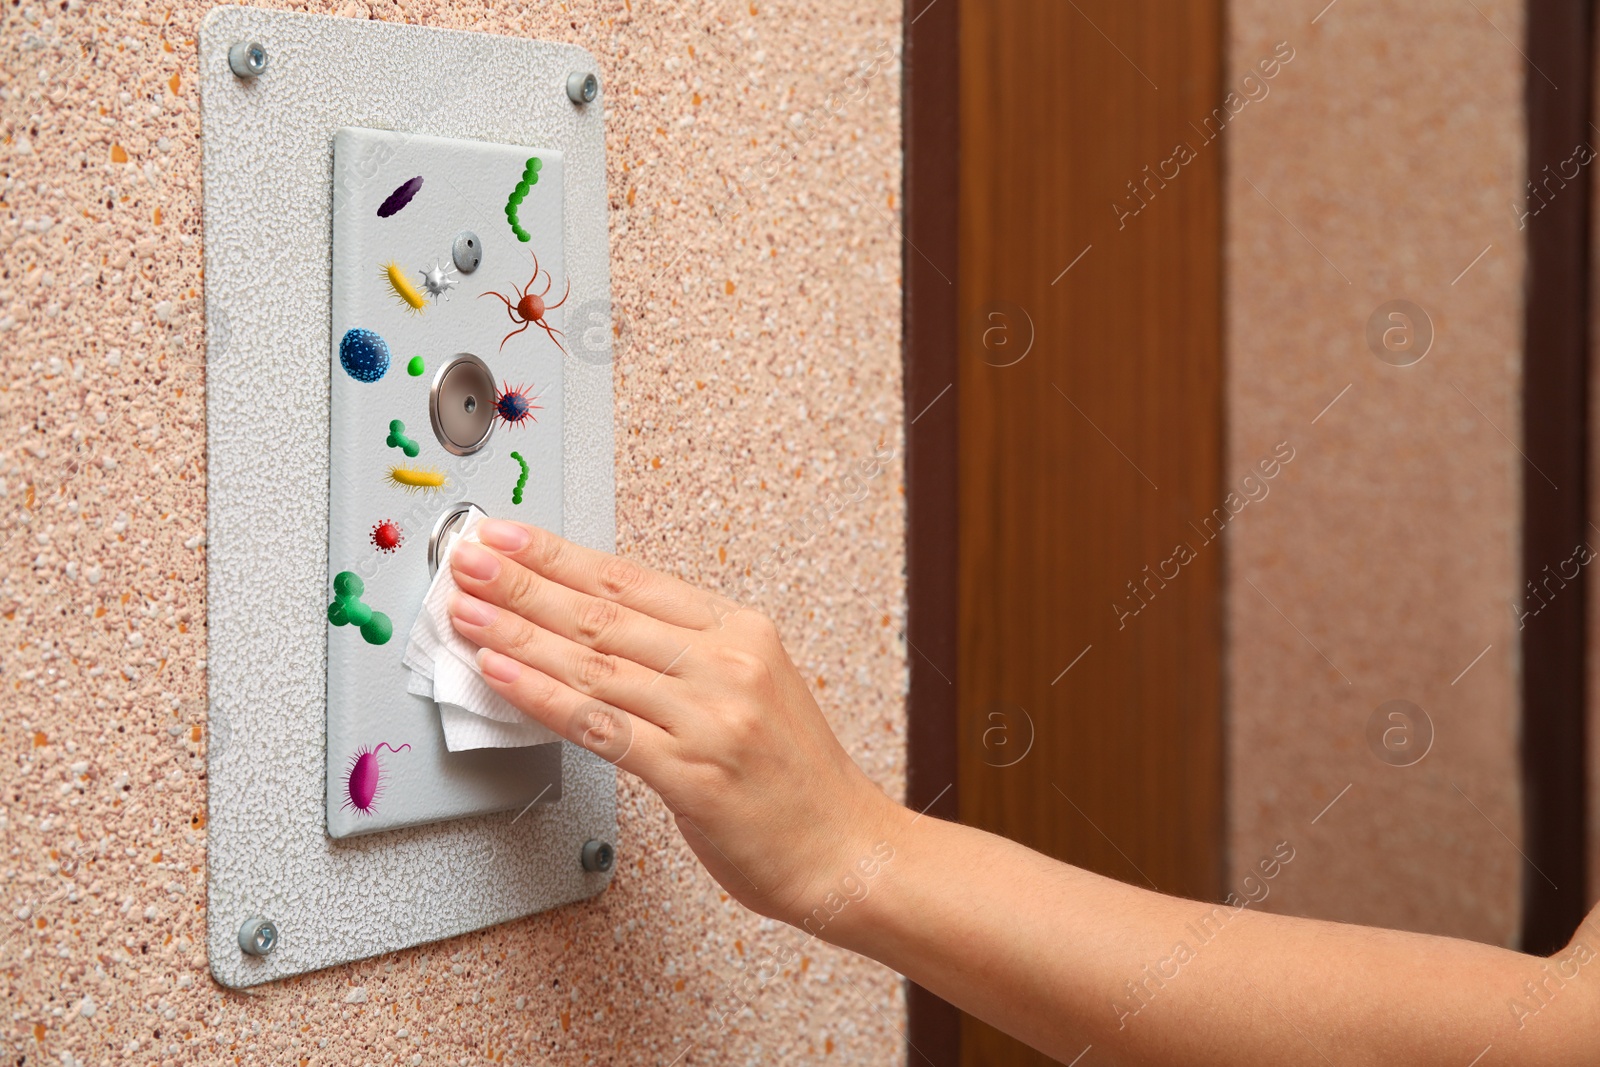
[387,536]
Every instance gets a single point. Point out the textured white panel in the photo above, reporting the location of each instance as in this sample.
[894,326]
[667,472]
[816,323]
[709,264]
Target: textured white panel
[456,186]
[269,198]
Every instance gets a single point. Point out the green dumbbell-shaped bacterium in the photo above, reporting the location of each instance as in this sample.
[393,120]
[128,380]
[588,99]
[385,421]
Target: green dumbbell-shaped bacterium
[347,609]
[397,439]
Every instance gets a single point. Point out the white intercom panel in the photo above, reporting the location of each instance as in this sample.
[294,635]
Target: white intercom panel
[375,197]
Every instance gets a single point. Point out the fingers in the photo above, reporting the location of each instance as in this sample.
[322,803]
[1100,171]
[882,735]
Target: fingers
[603,625]
[606,576]
[612,679]
[631,743]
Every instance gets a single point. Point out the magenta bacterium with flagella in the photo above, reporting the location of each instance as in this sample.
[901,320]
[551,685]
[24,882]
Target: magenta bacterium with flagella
[364,779]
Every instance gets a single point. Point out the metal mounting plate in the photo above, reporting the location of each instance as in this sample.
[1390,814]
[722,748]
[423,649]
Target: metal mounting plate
[269,198]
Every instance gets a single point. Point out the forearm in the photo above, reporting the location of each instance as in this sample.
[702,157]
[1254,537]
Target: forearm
[1063,959]
[697,696]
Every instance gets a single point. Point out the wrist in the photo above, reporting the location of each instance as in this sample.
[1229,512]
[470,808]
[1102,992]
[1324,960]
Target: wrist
[840,909]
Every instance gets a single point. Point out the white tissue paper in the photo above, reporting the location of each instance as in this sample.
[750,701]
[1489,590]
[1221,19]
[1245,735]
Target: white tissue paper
[444,668]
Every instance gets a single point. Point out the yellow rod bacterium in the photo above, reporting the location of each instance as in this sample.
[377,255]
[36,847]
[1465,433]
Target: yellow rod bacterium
[404,291]
[416,479]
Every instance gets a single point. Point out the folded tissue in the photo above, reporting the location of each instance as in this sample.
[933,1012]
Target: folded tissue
[444,669]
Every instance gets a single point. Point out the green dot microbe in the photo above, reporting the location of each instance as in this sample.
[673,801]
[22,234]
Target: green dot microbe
[530,178]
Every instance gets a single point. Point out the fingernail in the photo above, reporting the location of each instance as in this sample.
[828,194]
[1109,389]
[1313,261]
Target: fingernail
[471,610]
[500,668]
[506,536]
[474,562]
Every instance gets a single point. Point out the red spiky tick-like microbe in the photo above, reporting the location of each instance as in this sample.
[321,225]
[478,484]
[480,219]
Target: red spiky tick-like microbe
[387,536]
[530,307]
[364,779]
[515,406]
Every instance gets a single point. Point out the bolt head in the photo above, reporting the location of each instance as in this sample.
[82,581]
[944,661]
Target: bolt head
[598,856]
[248,59]
[467,252]
[582,87]
[258,936]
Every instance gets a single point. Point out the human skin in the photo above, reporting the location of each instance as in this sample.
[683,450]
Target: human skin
[695,694]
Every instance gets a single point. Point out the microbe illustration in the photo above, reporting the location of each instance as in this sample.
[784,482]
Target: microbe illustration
[438,281]
[397,439]
[364,778]
[530,307]
[416,479]
[514,406]
[364,355]
[416,368]
[409,295]
[387,536]
[348,609]
[516,494]
[400,197]
[530,178]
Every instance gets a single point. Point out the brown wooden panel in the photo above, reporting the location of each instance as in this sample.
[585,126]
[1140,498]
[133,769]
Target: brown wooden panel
[1560,45]
[1087,464]
[929,260]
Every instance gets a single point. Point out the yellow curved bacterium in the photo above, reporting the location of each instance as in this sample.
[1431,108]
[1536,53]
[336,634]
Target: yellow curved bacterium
[404,291]
[416,479]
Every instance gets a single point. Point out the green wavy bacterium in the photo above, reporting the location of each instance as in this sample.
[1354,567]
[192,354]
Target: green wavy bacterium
[516,494]
[530,178]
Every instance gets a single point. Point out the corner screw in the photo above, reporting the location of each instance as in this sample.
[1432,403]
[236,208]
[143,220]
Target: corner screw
[582,87]
[258,936]
[598,856]
[248,59]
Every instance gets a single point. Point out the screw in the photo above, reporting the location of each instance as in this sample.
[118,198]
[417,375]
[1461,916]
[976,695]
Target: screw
[248,59]
[598,856]
[582,87]
[258,936]
[467,252]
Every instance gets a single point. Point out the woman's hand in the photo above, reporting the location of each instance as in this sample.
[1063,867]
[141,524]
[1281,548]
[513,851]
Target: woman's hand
[697,697]
[690,691]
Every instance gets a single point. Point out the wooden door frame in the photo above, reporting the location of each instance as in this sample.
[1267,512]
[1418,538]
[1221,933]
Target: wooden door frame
[931,102]
[1555,432]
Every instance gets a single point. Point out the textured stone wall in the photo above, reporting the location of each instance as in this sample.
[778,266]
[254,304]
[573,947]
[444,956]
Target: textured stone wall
[758,361]
[1383,565]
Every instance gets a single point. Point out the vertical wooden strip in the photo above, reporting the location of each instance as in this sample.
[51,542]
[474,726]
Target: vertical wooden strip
[1091,439]
[1090,371]
[931,140]
[1560,40]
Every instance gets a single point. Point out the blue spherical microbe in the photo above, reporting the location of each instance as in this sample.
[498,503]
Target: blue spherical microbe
[512,407]
[364,355]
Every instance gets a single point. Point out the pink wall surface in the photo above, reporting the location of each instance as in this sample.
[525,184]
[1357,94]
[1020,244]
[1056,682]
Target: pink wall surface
[760,359]
[1382,166]
[759,362]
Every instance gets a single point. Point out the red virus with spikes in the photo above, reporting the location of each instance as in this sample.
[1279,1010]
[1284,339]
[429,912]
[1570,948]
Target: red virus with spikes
[515,406]
[387,536]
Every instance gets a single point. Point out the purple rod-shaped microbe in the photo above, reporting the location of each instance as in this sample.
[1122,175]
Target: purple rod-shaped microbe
[400,197]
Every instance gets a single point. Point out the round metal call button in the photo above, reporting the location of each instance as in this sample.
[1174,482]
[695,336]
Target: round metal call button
[461,404]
